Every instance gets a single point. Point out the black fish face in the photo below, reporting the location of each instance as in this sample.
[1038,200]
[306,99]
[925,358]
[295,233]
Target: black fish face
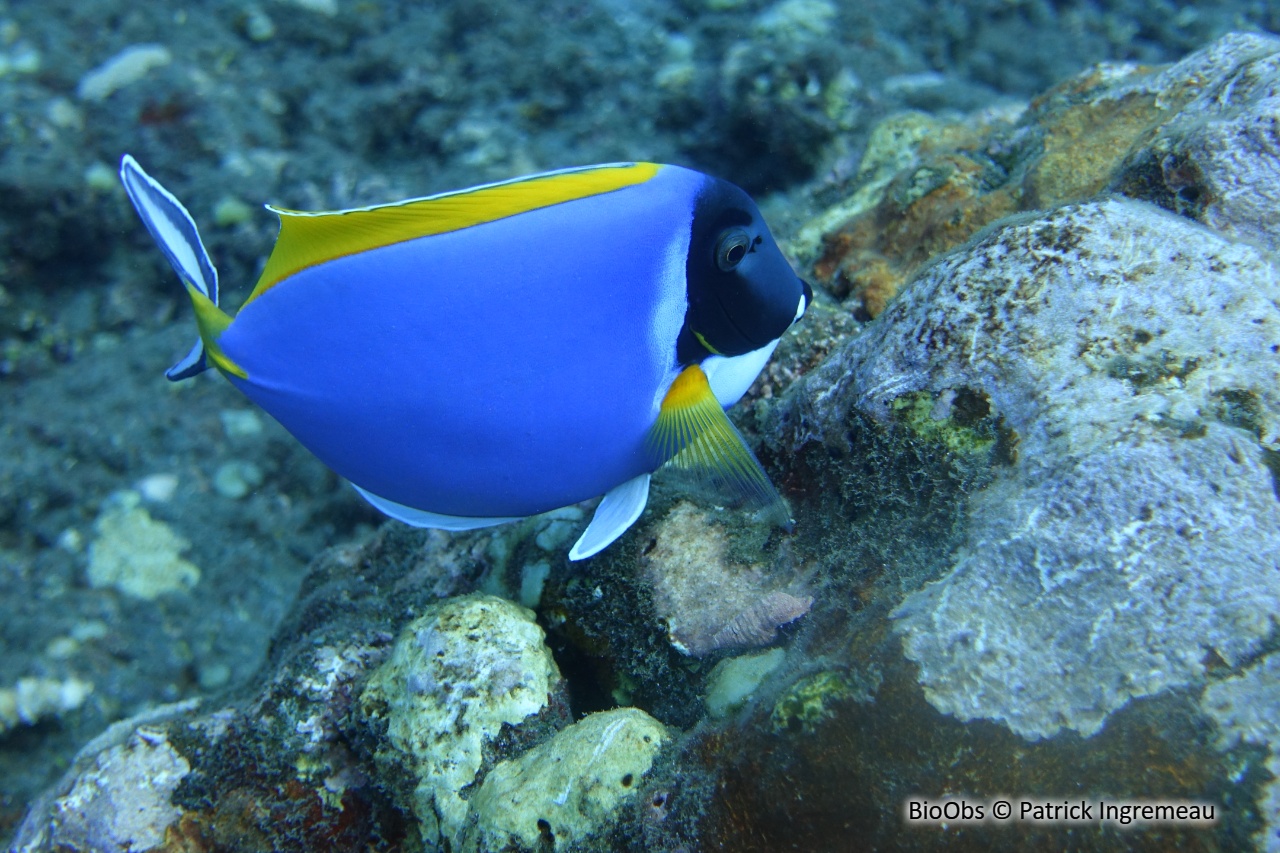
[743,294]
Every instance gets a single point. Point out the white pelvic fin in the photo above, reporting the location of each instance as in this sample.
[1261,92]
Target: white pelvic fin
[175,232]
[423,518]
[618,510]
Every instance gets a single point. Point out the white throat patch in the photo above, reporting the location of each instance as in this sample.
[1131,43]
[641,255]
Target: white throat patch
[731,376]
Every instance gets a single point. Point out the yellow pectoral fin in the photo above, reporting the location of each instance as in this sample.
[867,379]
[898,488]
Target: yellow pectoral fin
[212,321]
[693,433]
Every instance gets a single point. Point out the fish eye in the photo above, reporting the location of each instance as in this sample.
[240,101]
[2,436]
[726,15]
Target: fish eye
[732,248]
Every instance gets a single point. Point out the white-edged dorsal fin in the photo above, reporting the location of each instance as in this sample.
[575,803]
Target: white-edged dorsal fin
[308,239]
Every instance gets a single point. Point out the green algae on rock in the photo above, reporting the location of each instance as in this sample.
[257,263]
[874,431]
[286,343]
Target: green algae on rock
[809,701]
[958,420]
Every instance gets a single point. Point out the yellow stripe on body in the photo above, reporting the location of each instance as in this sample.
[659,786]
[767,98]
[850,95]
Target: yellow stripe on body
[308,239]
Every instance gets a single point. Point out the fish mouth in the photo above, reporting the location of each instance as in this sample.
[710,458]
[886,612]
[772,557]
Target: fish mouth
[806,299]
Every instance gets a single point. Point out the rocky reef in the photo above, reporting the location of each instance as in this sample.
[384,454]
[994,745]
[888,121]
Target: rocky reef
[1126,360]
[1030,435]
[1096,385]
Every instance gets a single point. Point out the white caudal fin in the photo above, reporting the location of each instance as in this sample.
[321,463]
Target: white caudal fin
[618,510]
[176,234]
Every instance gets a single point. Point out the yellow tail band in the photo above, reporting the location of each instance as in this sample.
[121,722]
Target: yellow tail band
[212,321]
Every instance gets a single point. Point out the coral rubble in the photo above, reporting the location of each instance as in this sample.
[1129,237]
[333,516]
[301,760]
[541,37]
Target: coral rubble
[459,673]
[568,787]
[137,554]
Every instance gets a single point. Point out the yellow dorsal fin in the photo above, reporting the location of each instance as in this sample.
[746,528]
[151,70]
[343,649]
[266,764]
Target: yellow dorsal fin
[694,433]
[212,321]
[308,239]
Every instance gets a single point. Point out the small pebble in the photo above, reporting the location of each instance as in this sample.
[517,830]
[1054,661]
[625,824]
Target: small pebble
[64,114]
[258,25]
[158,488]
[237,479]
[214,677]
[21,59]
[231,211]
[71,541]
[100,177]
[240,423]
[328,8]
[92,630]
[61,648]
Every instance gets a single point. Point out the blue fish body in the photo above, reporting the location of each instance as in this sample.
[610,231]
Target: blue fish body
[482,388]
[499,352]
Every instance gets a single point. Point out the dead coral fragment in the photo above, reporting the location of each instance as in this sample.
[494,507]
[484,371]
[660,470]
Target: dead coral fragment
[126,67]
[137,554]
[124,801]
[567,787]
[459,673]
[34,699]
[758,624]
[708,601]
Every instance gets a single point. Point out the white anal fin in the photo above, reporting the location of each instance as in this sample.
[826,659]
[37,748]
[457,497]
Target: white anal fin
[423,518]
[618,510]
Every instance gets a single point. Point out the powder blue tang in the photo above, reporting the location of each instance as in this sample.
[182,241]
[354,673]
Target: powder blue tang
[482,356]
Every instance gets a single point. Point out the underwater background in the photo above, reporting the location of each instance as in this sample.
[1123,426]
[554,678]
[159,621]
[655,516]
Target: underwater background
[1029,432]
